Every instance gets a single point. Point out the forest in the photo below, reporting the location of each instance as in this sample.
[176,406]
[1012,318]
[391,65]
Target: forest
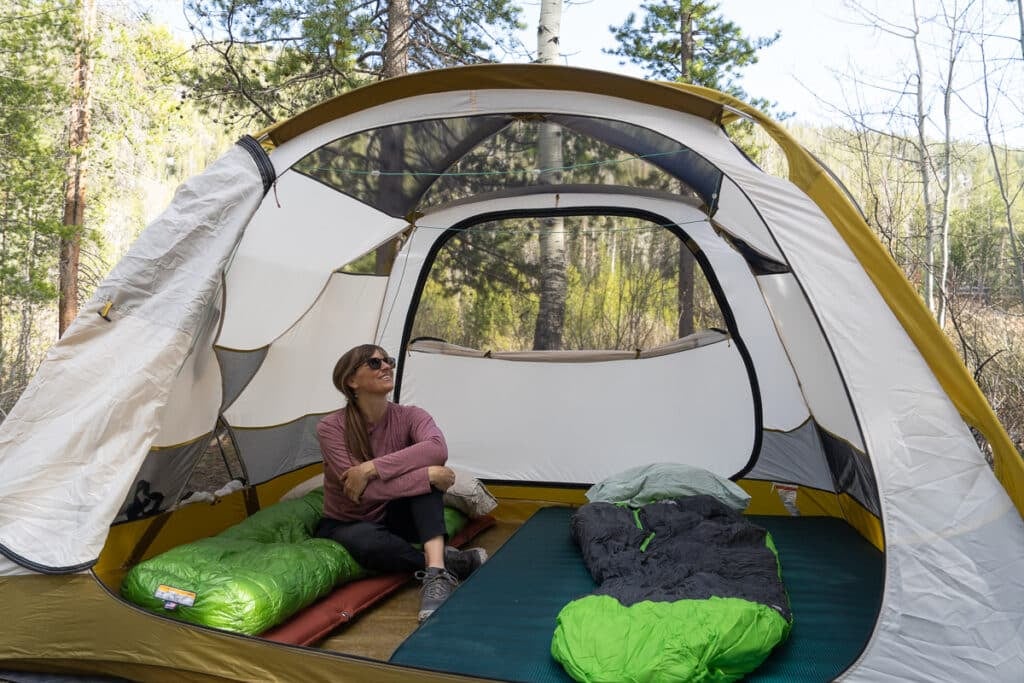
[104,111]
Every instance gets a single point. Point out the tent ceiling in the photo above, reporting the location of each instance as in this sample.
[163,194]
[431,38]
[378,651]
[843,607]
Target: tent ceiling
[402,167]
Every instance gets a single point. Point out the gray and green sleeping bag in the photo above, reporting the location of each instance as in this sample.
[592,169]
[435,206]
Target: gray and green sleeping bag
[254,575]
[688,590]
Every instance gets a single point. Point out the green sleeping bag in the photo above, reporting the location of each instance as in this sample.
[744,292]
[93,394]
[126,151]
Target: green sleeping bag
[254,575]
[688,590]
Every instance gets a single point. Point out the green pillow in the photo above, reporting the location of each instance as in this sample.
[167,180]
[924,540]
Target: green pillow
[665,480]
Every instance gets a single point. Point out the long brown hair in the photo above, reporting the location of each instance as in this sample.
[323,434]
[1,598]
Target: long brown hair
[357,437]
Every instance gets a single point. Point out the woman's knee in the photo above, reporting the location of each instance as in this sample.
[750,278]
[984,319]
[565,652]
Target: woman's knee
[359,538]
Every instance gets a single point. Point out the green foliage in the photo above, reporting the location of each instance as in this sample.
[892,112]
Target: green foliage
[689,41]
[144,138]
[143,141]
[879,172]
[263,60]
[36,37]
[483,288]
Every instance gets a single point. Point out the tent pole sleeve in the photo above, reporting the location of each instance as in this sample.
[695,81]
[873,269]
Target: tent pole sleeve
[262,159]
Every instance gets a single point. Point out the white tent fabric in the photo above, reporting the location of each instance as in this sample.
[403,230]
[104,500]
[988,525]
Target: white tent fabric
[810,356]
[842,295]
[195,398]
[561,422]
[782,405]
[735,210]
[924,458]
[301,233]
[115,374]
[295,377]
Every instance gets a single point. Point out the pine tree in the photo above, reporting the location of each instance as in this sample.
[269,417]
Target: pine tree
[689,41]
[263,60]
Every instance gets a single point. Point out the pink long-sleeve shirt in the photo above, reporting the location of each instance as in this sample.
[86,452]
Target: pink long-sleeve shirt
[405,443]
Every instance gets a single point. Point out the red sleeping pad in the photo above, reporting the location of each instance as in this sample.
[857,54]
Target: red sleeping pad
[345,602]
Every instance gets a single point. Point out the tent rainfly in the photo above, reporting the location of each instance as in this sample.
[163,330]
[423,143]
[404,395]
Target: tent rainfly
[225,318]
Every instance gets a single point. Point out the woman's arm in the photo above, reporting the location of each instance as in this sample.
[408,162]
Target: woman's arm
[337,461]
[413,483]
[428,447]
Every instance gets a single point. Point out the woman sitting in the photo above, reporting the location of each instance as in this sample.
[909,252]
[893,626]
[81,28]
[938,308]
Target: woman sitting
[384,479]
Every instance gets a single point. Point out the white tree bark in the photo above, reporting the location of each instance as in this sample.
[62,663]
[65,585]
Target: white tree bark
[955,20]
[551,315]
[924,163]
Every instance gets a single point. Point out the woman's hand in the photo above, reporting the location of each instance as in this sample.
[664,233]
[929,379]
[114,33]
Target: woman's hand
[441,477]
[355,479]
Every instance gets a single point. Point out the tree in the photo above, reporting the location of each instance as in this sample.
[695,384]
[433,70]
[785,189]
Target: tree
[35,38]
[935,44]
[688,41]
[551,316]
[263,60]
[77,160]
[1001,165]
[142,141]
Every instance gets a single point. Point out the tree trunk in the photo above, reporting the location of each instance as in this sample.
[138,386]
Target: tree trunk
[923,161]
[396,49]
[686,261]
[1001,180]
[551,314]
[685,42]
[3,299]
[396,63]
[1020,19]
[74,189]
[947,169]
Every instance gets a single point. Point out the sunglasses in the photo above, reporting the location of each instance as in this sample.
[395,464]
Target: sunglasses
[375,363]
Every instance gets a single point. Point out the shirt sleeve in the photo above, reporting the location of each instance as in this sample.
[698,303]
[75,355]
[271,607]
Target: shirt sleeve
[427,447]
[337,459]
[414,483]
[333,445]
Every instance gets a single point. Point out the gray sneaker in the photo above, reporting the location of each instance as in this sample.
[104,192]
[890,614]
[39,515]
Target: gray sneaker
[438,584]
[462,563]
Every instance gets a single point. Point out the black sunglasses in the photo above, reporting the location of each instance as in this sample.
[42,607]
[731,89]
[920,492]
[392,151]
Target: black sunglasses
[375,363]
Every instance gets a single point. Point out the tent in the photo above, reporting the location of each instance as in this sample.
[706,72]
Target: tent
[829,391]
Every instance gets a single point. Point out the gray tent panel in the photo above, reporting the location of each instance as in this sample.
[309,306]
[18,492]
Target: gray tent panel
[392,167]
[237,368]
[852,471]
[396,168]
[161,479]
[271,451]
[794,456]
[671,157]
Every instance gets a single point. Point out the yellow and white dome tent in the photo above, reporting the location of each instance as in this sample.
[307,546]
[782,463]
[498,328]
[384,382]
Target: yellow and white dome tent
[233,305]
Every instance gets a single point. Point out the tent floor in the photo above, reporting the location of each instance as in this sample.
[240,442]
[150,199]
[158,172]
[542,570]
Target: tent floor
[499,623]
[378,632]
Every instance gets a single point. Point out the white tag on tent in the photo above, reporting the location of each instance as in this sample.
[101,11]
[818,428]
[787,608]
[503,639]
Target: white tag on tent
[787,494]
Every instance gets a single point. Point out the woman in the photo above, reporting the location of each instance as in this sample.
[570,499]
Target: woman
[384,478]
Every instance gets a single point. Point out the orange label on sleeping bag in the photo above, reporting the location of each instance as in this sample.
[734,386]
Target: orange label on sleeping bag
[173,597]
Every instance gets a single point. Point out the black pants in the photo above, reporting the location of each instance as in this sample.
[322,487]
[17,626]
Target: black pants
[387,546]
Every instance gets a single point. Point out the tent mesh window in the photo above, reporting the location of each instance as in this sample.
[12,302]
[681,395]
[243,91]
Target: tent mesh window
[429,163]
[622,288]
[217,466]
[174,474]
